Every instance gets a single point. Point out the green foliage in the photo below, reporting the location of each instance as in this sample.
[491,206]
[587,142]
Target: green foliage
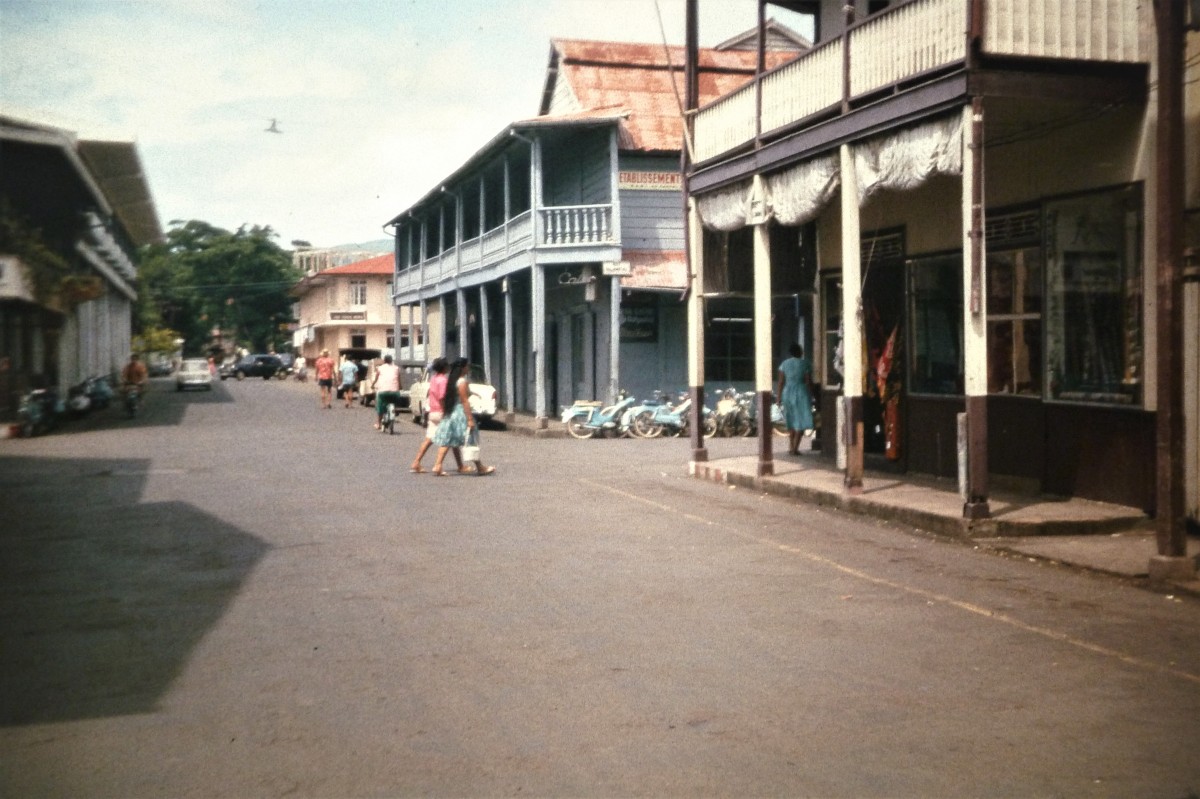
[203,277]
[156,339]
[44,269]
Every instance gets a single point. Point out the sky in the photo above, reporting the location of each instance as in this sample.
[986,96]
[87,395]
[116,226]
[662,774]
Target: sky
[376,100]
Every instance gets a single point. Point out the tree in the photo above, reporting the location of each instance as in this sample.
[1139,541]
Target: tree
[203,278]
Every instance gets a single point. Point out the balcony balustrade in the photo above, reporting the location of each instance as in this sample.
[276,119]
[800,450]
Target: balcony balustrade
[561,227]
[911,40]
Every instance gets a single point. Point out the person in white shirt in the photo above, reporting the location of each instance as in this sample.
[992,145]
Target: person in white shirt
[386,385]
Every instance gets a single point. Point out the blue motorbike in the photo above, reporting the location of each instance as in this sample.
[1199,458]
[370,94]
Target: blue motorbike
[39,412]
[585,419]
[672,420]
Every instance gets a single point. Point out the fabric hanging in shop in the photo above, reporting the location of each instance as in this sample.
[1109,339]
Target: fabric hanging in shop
[797,194]
[726,209]
[907,158]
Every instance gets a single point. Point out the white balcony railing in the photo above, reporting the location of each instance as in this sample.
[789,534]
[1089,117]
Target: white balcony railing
[576,224]
[915,38]
[562,226]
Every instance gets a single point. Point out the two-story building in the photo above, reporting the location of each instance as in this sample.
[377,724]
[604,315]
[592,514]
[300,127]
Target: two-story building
[982,207]
[555,256]
[348,310]
[73,212]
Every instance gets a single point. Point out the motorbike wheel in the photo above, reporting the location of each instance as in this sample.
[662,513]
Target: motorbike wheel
[780,428]
[739,424]
[389,420]
[709,426]
[577,428]
[240,375]
[645,426]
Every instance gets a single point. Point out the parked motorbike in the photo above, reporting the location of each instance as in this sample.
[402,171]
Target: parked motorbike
[674,420]
[733,414]
[39,411]
[93,394]
[585,419]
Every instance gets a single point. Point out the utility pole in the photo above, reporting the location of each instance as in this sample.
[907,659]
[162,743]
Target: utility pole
[1171,562]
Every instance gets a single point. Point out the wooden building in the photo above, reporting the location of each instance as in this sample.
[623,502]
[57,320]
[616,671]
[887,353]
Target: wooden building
[555,255]
[73,212]
[967,200]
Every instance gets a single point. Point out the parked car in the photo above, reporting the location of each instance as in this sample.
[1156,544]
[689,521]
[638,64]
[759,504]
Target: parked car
[483,396]
[264,366]
[193,373]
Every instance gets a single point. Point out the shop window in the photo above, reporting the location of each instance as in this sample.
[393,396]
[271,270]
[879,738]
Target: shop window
[729,349]
[1093,320]
[1014,328]
[935,313]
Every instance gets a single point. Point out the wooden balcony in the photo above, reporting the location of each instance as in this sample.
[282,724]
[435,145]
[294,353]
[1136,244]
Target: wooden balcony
[561,229]
[910,45]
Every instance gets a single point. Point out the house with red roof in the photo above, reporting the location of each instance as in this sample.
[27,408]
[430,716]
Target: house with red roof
[555,256]
[348,310]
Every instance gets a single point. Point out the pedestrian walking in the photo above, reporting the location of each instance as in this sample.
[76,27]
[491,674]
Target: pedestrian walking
[457,421]
[324,372]
[386,385]
[349,372]
[434,394]
[794,393]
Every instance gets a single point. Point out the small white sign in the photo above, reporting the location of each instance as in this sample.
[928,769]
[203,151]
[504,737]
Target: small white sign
[617,268]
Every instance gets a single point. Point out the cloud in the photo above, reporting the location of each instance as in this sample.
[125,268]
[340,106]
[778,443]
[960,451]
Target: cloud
[378,100]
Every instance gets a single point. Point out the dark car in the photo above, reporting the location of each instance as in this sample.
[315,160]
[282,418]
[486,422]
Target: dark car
[264,366]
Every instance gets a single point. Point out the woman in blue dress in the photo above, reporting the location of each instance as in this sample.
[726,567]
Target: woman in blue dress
[457,421]
[795,379]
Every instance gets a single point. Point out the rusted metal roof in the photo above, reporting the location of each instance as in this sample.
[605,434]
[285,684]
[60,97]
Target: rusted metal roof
[643,83]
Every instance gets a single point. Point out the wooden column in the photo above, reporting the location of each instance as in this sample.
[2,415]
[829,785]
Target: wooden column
[614,340]
[763,348]
[510,360]
[852,321]
[1171,562]
[974,313]
[538,308]
[695,317]
[464,329]
[484,325]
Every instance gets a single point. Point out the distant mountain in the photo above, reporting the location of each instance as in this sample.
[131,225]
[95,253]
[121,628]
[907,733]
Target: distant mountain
[379,245]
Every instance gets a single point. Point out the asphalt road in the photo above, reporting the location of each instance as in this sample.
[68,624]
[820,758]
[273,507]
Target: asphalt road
[238,594]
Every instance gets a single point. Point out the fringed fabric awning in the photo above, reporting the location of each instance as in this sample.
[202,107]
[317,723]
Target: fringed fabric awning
[907,158]
[899,160]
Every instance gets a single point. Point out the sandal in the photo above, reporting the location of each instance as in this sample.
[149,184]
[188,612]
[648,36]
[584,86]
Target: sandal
[486,470]
[416,469]
[438,473]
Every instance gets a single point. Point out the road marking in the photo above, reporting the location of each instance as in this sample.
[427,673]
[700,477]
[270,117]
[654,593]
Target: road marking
[929,596]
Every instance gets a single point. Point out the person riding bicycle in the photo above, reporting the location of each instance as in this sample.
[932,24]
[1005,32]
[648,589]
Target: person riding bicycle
[134,375]
[386,385]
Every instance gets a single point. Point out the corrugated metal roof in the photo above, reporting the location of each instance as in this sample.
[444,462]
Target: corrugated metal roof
[644,83]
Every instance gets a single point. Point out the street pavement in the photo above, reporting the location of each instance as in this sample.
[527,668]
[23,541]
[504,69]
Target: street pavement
[239,594]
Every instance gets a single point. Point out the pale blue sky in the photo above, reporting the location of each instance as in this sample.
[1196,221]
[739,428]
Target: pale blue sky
[377,99]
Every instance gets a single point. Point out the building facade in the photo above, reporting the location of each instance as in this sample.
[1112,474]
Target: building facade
[555,256]
[72,214]
[965,200]
[348,310]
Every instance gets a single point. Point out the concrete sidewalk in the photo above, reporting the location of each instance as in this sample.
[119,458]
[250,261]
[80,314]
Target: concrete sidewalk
[1111,539]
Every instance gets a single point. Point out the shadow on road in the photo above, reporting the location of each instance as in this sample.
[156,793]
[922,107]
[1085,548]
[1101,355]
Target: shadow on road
[102,599]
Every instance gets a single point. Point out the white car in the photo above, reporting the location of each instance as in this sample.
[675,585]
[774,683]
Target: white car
[483,396]
[193,373]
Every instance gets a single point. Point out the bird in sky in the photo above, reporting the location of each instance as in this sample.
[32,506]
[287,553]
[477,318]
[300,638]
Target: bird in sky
[274,128]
